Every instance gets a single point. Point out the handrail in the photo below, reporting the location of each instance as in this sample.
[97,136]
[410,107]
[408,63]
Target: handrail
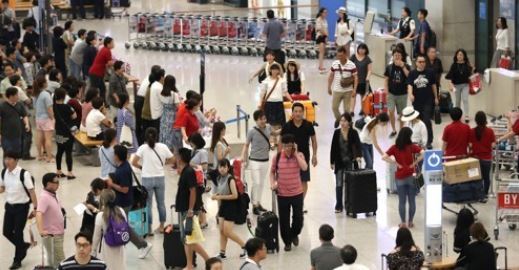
[243,8]
[240,115]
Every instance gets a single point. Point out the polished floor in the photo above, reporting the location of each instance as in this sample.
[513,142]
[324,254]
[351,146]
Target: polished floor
[227,86]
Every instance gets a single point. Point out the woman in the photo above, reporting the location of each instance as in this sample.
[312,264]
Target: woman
[68,38]
[264,70]
[55,80]
[106,153]
[74,102]
[200,157]
[96,120]
[114,257]
[90,52]
[479,253]
[321,34]
[170,100]
[364,67]
[405,26]
[404,152]
[343,31]
[273,90]
[295,78]
[86,107]
[154,156]
[125,118]
[226,193]
[44,115]
[59,46]
[64,127]
[459,76]
[412,120]
[481,141]
[434,63]
[462,230]
[219,145]
[502,41]
[406,254]
[345,155]
[368,137]
[186,122]
[93,205]
[405,56]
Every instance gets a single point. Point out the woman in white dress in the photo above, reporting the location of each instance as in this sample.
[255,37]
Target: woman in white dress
[502,41]
[343,29]
[321,35]
[114,257]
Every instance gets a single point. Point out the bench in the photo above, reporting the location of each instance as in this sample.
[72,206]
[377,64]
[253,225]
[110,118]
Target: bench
[91,146]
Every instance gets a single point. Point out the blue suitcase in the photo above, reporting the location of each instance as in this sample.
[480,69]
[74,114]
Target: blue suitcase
[138,220]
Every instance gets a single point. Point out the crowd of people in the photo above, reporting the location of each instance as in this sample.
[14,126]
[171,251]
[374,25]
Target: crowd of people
[64,93]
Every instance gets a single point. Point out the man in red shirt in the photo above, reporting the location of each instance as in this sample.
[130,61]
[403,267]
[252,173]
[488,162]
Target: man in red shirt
[102,61]
[456,135]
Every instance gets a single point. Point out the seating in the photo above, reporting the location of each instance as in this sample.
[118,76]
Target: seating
[83,139]
[89,146]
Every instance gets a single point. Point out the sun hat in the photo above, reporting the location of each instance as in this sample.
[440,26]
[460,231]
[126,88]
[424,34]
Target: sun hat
[409,113]
[341,10]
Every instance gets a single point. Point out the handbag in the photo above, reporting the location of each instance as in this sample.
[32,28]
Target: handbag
[345,82]
[267,95]
[140,194]
[126,138]
[437,115]
[188,228]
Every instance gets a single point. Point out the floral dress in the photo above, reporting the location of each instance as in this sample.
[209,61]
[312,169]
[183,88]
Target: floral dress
[169,114]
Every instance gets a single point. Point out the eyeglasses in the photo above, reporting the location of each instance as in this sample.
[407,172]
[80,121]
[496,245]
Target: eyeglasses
[82,245]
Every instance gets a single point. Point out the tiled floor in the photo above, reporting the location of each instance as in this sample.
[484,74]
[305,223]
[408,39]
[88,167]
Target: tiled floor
[227,86]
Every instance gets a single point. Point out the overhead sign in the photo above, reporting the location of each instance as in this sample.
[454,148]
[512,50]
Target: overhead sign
[433,160]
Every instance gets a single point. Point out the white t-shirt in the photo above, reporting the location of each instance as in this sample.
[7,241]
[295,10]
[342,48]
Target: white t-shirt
[352,267]
[502,39]
[343,33]
[419,132]
[155,103]
[93,122]
[143,87]
[349,69]
[279,91]
[151,164]
[173,99]
[14,189]
[365,136]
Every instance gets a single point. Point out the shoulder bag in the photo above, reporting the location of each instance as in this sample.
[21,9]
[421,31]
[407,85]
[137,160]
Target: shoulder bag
[161,163]
[263,135]
[140,194]
[267,95]
[345,81]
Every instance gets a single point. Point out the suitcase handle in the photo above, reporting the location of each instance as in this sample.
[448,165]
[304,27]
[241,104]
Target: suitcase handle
[506,255]
[382,257]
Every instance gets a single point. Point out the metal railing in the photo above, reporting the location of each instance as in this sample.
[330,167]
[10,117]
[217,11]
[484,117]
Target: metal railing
[240,115]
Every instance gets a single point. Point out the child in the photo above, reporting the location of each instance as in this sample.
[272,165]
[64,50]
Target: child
[92,203]
[199,158]
[226,194]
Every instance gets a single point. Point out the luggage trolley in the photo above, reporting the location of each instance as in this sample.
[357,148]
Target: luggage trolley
[242,29]
[196,37]
[507,206]
[309,37]
[252,28]
[223,37]
[214,26]
[291,38]
[187,33]
[205,23]
[300,38]
[232,36]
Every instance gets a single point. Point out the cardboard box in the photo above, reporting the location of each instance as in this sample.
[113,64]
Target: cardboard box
[461,171]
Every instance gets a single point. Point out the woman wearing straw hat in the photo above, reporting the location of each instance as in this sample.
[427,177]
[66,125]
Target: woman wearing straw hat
[343,29]
[273,90]
[411,119]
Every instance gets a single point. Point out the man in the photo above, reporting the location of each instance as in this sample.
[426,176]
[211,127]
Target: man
[117,85]
[19,194]
[14,122]
[121,181]
[435,64]
[187,202]
[395,79]
[423,35]
[7,21]
[9,70]
[456,135]
[256,252]
[47,64]
[327,256]
[303,132]
[17,82]
[82,259]
[342,69]
[76,55]
[258,139]
[75,4]
[349,256]
[421,90]
[102,61]
[273,31]
[50,218]
[406,25]
[285,179]
[10,53]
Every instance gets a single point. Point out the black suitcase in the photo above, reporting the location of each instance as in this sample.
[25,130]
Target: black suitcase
[445,102]
[360,192]
[268,227]
[174,254]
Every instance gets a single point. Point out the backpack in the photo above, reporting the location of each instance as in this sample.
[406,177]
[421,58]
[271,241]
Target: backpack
[117,232]
[22,179]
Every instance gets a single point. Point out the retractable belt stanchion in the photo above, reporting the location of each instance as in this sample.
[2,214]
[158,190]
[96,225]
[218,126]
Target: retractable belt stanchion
[433,176]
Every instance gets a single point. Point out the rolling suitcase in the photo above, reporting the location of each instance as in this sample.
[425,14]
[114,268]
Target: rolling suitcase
[268,227]
[174,253]
[361,192]
[138,220]
[42,266]
[309,110]
[445,102]
[390,178]
[367,104]
[379,101]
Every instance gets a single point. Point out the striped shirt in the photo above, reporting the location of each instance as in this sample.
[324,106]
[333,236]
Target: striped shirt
[289,175]
[348,70]
[72,264]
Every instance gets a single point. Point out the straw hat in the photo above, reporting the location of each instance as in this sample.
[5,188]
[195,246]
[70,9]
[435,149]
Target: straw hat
[292,61]
[341,10]
[409,113]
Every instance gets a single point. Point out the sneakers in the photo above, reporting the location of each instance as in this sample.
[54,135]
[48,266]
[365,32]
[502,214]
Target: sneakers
[295,241]
[392,134]
[143,252]
[15,265]
[222,256]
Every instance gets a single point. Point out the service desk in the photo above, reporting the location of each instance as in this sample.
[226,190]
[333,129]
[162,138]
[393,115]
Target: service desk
[379,46]
[500,95]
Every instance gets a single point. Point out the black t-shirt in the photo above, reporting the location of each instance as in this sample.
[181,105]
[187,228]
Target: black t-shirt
[397,79]
[302,135]
[63,113]
[11,120]
[422,82]
[186,181]
[124,178]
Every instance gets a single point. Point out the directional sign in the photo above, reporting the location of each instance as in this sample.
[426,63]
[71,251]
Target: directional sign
[433,160]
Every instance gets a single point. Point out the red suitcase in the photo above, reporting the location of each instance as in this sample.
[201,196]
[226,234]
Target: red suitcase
[300,97]
[475,84]
[505,62]
[379,101]
[238,176]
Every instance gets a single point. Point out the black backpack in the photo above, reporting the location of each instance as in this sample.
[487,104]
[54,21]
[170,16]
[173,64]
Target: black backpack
[22,179]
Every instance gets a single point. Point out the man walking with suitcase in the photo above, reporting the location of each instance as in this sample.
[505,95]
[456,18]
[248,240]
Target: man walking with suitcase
[285,178]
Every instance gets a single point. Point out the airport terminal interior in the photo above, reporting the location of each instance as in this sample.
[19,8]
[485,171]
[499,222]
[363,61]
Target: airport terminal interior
[467,24]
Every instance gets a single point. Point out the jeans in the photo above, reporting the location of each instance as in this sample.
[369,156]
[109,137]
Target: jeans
[340,180]
[75,70]
[485,173]
[406,189]
[12,145]
[426,111]
[367,153]
[134,237]
[155,185]
[15,217]
[54,248]
[285,204]
[462,94]
[99,83]
[64,148]
[259,171]
[26,144]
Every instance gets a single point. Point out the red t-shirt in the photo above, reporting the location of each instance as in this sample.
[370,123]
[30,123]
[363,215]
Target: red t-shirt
[187,120]
[405,158]
[456,135]
[482,149]
[181,110]
[98,68]
[515,127]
